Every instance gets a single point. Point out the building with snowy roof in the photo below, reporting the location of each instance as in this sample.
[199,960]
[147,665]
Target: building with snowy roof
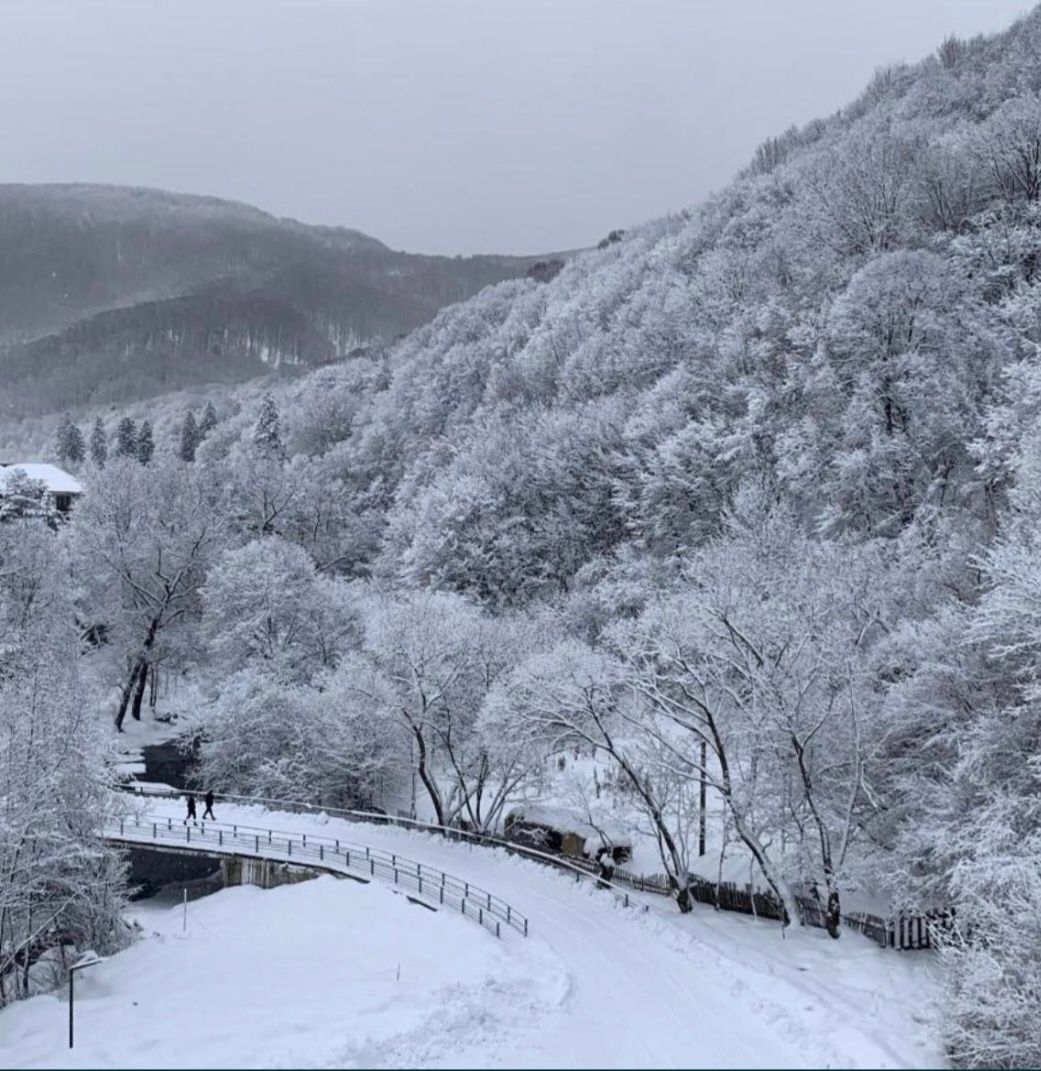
[565,832]
[60,488]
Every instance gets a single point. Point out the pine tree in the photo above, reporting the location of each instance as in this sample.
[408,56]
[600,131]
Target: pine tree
[267,436]
[208,422]
[189,437]
[98,444]
[126,438]
[23,496]
[145,442]
[69,446]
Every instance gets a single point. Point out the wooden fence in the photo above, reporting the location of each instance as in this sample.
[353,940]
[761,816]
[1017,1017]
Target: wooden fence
[902,932]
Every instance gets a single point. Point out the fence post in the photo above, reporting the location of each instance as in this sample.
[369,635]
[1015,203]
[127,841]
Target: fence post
[187,834]
[497,933]
[347,859]
[289,846]
[169,824]
[321,852]
[525,927]
[256,845]
[372,867]
[153,831]
[220,837]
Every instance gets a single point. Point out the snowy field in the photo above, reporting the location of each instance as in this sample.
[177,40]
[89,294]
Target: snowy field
[306,975]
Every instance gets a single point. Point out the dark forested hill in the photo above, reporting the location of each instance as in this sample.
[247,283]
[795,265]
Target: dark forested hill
[113,293]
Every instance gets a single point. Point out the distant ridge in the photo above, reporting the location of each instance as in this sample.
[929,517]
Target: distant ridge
[116,293]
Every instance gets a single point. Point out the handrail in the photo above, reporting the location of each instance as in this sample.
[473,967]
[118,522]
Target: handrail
[485,840]
[334,855]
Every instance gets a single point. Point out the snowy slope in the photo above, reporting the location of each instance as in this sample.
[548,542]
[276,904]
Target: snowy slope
[653,989]
[325,974]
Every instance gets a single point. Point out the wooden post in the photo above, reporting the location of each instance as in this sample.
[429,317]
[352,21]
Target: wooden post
[702,800]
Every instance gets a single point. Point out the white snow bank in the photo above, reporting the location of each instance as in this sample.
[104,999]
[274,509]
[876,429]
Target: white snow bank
[324,973]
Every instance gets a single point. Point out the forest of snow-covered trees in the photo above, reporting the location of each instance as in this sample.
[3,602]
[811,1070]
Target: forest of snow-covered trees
[751,496]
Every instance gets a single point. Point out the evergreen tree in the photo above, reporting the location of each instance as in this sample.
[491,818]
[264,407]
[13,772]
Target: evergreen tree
[189,438]
[267,435]
[145,443]
[23,497]
[69,446]
[126,438]
[208,422]
[98,444]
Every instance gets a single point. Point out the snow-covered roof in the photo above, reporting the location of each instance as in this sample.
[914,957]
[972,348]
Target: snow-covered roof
[57,480]
[565,821]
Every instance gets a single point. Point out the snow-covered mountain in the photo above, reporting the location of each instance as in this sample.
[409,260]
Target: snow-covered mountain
[115,293]
[736,515]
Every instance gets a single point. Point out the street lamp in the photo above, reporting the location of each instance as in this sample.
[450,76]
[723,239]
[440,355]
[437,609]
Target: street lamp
[88,959]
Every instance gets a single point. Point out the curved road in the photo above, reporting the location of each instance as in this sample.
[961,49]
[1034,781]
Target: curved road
[648,989]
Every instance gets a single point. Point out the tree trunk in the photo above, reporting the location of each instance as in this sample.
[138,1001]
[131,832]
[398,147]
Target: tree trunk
[128,691]
[139,692]
[833,918]
[428,781]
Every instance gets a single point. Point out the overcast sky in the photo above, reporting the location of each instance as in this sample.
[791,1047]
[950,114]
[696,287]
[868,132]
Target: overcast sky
[440,125]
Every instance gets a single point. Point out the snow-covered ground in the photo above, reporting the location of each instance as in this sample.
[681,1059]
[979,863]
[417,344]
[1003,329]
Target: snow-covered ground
[295,974]
[327,973]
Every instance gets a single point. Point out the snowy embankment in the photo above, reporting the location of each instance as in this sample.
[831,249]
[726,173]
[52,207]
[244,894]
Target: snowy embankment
[327,973]
[595,984]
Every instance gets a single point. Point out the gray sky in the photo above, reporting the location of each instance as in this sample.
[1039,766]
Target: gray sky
[440,125]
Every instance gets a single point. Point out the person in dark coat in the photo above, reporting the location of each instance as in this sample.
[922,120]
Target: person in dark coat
[191,808]
[208,813]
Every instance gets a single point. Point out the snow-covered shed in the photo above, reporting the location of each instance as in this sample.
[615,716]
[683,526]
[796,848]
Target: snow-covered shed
[62,487]
[556,829]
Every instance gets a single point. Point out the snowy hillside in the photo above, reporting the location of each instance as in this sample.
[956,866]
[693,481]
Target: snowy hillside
[719,541]
[333,974]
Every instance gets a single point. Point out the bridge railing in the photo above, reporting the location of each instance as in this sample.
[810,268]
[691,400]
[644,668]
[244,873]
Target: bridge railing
[579,869]
[332,854]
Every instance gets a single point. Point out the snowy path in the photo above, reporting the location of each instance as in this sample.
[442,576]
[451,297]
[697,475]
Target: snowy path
[654,989]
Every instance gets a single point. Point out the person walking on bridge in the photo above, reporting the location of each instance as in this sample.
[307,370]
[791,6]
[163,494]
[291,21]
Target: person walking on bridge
[208,813]
[191,808]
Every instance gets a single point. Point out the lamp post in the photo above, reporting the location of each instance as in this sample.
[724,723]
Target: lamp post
[89,959]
